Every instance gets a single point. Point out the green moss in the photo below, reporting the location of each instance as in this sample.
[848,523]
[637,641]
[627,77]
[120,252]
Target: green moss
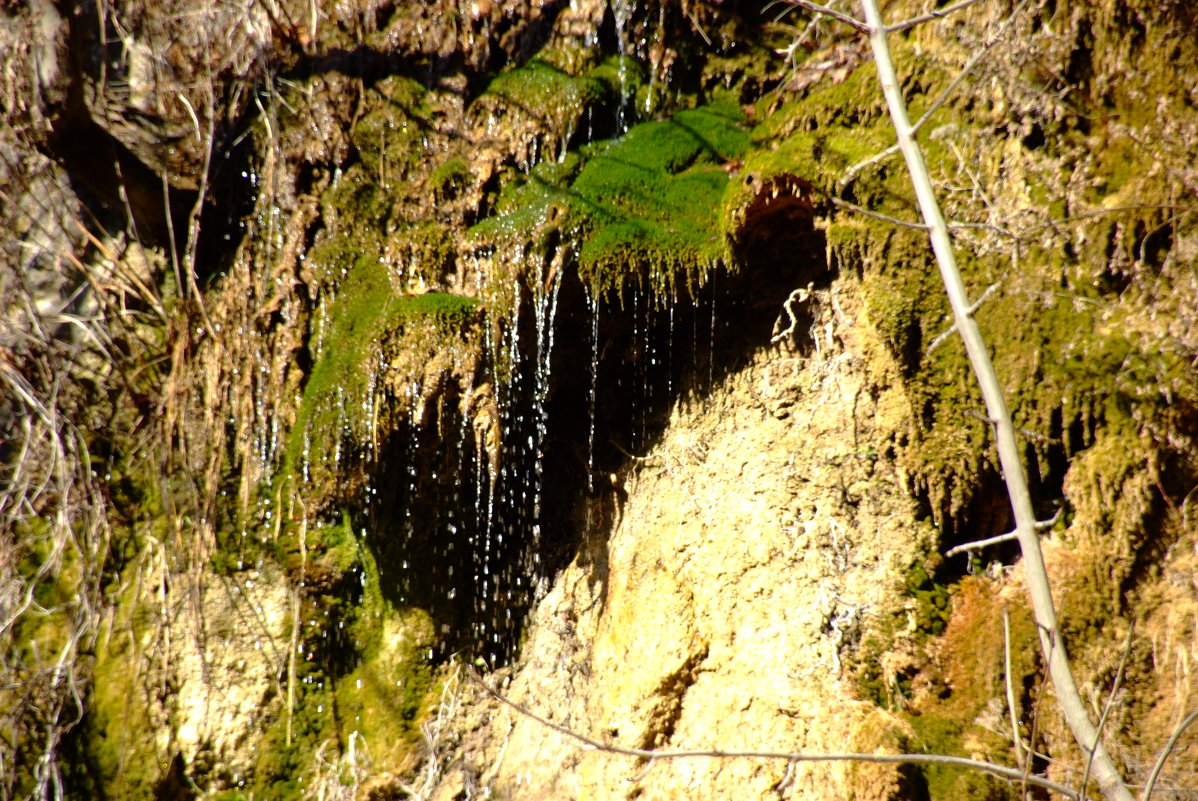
[386,697]
[119,745]
[931,601]
[450,177]
[935,735]
[639,218]
[450,313]
[621,75]
[539,84]
[530,207]
[554,90]
[644,208]
[900,303]
[389,137]
[967,684]
[357,217]
[363,673]
[366,323]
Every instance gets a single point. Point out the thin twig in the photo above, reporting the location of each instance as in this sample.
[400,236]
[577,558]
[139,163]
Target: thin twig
[1002,771]
[930,16]
[979,544]
[1012,706]
[1041,525]
[852,22]
[1106,709]
[1165,752]
[977,304]
[844,204]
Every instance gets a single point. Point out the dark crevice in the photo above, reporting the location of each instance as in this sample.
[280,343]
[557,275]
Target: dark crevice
[476,559]
[122,192]
[118,189]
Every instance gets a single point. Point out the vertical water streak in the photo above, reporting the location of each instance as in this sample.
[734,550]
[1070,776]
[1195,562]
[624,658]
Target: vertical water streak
[622,12]
[637,368]
[670,353]
[370,412]
[711,339]
[546,312]
[593,304]
[306,454]
[410,488]
[648,365]
[484,572]
[342,424]
[563,148]
[480,533]
[697,305]
[511,496]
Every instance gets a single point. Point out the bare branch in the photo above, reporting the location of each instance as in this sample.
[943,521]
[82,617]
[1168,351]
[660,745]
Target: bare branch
[1041,525]
[852,22]
[1012,703]
[853,207]
[1051,643]
[1001,771]
[929,17]
[977,545]
[1110,700]
[946,333]
[881,155]
[1165,752]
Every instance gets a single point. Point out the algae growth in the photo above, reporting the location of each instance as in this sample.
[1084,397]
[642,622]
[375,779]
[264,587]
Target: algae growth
[344,394]
[643,209]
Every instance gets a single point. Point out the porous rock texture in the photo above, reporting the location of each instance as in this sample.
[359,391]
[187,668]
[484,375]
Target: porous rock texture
[747,549]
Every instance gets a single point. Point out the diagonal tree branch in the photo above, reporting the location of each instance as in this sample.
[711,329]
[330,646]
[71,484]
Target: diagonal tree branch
[1051,642]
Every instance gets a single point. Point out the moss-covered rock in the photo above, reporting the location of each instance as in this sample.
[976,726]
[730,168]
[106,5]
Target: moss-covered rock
[377,341]
[642,210]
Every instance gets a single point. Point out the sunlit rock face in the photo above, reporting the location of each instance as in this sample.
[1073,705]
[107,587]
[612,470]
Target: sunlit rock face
[585,347]
[723,604]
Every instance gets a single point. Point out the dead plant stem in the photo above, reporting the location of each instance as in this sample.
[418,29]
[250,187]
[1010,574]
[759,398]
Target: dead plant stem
[590,743]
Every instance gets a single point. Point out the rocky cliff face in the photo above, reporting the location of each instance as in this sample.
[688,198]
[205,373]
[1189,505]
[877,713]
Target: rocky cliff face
[360,358]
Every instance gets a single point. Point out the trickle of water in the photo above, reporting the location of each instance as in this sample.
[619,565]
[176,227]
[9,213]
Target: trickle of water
[369,408]
[546,312]
[670,355]
[593,302]
[711,339]
[563,149]
[647,369]
[622,11]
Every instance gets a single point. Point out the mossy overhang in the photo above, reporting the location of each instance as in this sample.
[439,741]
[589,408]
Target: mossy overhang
[641,210]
